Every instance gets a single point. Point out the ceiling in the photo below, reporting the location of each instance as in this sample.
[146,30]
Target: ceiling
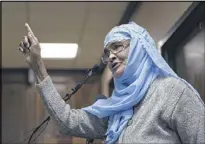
[85,23]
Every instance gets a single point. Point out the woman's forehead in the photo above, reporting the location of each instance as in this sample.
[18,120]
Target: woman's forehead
[112,43]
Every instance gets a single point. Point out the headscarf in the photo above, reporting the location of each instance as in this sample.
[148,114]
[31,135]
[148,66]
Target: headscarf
[144,64]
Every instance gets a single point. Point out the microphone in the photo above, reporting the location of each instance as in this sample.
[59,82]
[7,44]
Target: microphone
[101,66]
[96,68]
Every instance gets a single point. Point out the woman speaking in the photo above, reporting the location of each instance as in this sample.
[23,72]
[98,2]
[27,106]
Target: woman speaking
[149,103]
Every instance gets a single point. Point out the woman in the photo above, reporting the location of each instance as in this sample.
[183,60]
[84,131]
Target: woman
[150,103]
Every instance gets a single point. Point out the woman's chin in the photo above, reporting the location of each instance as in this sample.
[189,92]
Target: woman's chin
[118,72]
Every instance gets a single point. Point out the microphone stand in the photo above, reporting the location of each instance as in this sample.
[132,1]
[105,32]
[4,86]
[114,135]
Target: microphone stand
[67,97]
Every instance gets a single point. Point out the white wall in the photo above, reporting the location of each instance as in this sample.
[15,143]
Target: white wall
[158,17]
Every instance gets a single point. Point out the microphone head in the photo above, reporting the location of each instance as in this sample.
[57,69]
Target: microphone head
[95,68]
[98,67]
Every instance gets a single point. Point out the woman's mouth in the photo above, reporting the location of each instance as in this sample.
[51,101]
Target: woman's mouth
[115,66]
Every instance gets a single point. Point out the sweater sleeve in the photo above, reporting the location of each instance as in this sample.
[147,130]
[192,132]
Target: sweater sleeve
[188,118]
[75,122]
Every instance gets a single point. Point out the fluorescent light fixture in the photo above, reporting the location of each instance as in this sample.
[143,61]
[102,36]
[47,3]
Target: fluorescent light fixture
[58,50]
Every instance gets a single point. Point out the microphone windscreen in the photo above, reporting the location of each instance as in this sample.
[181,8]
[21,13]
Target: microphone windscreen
[95,68]
[99,67]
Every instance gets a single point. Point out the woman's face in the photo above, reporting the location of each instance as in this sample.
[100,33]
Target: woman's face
[118,55]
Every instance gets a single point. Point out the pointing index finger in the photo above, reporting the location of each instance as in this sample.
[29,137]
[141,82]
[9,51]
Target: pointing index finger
[29,29]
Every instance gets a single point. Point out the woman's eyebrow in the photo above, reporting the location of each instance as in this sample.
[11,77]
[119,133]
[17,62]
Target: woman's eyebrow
[110,45]
[115,43]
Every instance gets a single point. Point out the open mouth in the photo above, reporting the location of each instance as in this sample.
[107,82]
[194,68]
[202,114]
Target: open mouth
[115,65]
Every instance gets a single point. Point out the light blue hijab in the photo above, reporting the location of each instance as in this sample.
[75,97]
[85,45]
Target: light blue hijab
[143,66]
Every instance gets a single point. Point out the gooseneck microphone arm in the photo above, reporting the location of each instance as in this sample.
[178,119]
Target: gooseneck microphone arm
[78,86]
[67,96]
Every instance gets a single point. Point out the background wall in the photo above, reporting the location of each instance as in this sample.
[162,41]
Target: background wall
[190,60]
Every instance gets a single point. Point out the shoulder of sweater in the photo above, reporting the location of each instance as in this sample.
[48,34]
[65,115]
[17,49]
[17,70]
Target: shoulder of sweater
[166,93]
[171,84]
[166,88]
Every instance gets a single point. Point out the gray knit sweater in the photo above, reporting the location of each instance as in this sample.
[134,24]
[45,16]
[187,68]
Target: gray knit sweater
[169,113]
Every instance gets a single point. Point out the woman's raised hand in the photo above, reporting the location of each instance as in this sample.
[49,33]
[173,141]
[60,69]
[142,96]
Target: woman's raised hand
[30,47]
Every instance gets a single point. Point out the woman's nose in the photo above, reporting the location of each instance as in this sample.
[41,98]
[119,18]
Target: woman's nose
[112,57]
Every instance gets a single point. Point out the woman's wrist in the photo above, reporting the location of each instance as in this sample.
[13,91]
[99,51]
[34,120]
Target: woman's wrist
[39,70]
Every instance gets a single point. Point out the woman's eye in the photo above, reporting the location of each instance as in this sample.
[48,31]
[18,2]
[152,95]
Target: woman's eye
[106,52]
[117,46]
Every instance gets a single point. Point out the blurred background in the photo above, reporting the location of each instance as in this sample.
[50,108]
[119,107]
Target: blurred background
[177,28]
